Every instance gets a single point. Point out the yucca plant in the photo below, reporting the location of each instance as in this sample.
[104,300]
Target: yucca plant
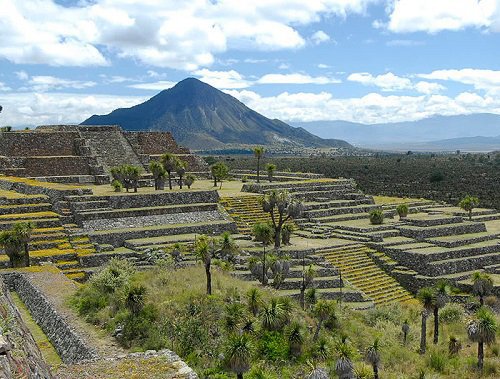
[482,329]
[482,285]
[372,356]
[238,354]
[426,298]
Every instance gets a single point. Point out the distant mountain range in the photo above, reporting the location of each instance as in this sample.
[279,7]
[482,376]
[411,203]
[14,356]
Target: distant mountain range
[465,132]
[201,117]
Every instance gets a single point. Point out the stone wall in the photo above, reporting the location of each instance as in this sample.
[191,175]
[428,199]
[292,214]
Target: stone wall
[34,144]
[28,358]
[153,143]
[69,345]
[56,166]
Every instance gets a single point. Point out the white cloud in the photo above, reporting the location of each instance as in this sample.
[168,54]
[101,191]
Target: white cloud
[386,82]
[429,88]
[480,79]
[4,87]
[390,82]
[324,66]
[22,75]
[404,42]
[295,79]
[31,109]
[43,83]
[319,37]
[183,34]
[434,16]
[155,86]
[222,79]
[371,108]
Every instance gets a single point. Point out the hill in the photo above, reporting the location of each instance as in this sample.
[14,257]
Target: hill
[406,135]
[201,117]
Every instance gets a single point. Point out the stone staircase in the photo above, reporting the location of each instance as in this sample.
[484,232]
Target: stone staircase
[246,211]
[109,146]
[356,266]
[327,282]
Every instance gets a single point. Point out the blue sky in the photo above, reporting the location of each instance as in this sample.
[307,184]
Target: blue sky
[367,61]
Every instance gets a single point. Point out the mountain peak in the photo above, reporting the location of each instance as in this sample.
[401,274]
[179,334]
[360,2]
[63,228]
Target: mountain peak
[202,117]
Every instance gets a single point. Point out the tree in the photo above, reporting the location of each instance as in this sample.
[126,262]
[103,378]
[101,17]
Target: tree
[263,233]
[426,297]
[308,276]
[282,203]
[189,180]
[405,328]
[322,311]
[275,315]
[482,329]
[180,169]
[468,203]
[227,247]
[344,367]
[286,233]
[16,243]
[158,172]
[128,175]
[270,168]
[238,353]
[259,153]
[295,335]
[219,172]
[372,356]
[482,285]
[169,162]
[441,297]
[254,300]
[203,250]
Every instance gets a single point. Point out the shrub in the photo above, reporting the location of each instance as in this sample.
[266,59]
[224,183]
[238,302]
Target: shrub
[244,178]
[451,312]
[273,346]
[115,275]
[437,361]
[117,185]
[402,210]
[376,217]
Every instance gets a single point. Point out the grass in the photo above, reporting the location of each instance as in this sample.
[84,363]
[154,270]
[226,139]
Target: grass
[390,200]
[37,183]
[47,349]
[180,299]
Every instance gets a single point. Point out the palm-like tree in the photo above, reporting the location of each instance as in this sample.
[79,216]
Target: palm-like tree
[482,285]
[234,316]
[344,367]
[263,233]
[254,300]
[405,328]
[275,314]
[189,180]
[227,247]
[169,162]
[286,208]
[158,172]
[295,336]
[203,250]
[259,153]
[372,356]
[270,168]
[16,243]
[426,297]
[307,280]
[180,169]
[238,353]
[441,296]
[482,329]
[322,310]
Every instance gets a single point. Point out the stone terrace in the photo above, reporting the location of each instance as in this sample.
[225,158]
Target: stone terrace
[84,154]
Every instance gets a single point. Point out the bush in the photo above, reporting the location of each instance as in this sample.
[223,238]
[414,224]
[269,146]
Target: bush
[273,346]
[402,210]
[115,275]
[376,217]
[437,361]
[451,312]
[244,178]
[436,177]
[117,185]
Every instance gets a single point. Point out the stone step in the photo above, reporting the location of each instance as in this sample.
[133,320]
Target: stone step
[25,199]
[317,205]
[27,216]
[108,213]
[79,206]
[432,220]
[462,239]
[486,217]
[451,266]
[157,241]
[25,208]
[321,213]
[68,265]
[117,237]
[40,223]
[421,232]
[49,244]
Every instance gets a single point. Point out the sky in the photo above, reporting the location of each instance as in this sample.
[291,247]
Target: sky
[369,61]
